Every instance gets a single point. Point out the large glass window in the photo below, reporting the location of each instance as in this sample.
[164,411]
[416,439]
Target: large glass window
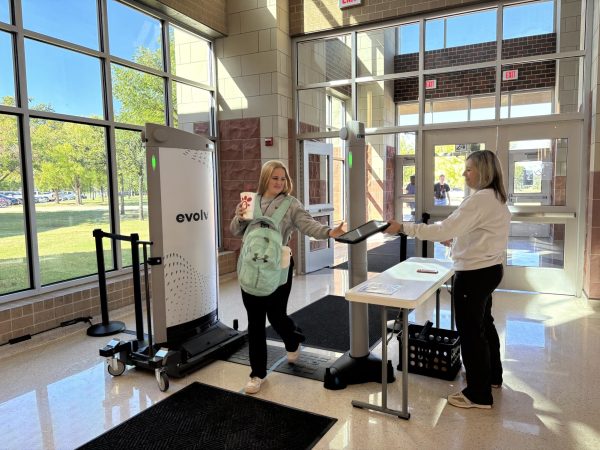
[190,56]
[131,178]
[70,166]
[5,11]
[460,39]
[74,21]
[134,36]
[7,79]
[138,97]
[13,248]
[72,184]
[408,39]
[324,60]
[528,19]
[376,106]
[312,107]
[192,109]
[63,81]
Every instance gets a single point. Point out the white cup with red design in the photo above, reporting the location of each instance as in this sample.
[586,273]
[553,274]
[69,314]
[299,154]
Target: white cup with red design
[248,199]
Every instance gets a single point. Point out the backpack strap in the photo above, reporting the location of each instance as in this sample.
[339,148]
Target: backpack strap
[257,211]
[277,217]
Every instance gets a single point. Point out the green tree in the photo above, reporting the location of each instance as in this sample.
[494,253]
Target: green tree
[10,173]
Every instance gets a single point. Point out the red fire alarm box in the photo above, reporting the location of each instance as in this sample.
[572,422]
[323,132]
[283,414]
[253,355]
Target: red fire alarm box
[269,142]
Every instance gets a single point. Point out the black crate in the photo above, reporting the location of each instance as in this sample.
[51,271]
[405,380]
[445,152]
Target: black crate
[438,355]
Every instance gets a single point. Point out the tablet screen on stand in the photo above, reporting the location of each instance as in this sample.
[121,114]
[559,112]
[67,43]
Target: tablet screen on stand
[363,232]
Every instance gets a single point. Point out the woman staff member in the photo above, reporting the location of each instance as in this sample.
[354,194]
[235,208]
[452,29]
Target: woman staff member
[273,186]
[479,227]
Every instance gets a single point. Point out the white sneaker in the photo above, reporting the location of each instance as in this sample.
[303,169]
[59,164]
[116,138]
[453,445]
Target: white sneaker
[253,385]
[292,357]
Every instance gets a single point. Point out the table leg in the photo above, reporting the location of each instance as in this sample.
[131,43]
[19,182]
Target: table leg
[405,339]
[452,324]
[437,309]
[404,414]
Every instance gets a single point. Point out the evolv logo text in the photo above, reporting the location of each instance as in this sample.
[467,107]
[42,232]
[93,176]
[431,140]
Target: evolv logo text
[192,216]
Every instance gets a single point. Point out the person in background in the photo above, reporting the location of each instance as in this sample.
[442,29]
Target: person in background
[411,189]
[273,186]
[478,234]
[441,191]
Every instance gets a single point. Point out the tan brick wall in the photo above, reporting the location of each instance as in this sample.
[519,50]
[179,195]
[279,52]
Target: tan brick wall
[310,16]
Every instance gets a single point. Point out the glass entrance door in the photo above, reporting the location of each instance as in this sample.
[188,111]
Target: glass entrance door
[317,186]
[541,167]
[540,164]
[444,156]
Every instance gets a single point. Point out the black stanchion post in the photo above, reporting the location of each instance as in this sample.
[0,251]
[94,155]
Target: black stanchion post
[148,312]
[137,290]
[425,218]
[403,243]
[106,328]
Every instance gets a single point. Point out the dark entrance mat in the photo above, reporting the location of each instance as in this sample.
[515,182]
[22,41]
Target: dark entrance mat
[325,323]
[205,417]
[381,258]
[309,365]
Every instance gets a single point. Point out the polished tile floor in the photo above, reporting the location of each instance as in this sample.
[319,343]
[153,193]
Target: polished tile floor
[57,394]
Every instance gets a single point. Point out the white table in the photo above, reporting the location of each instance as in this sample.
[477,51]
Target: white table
[401,286]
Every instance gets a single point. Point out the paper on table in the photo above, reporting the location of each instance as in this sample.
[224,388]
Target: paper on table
[380,288]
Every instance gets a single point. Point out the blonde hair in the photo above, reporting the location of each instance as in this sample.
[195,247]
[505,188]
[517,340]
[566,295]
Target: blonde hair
[490,172]
[265,176]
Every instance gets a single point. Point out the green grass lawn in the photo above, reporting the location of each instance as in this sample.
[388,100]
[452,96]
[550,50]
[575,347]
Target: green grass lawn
[66,245]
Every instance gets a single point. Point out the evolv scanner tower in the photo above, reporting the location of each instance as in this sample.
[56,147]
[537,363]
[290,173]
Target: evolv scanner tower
[185,279]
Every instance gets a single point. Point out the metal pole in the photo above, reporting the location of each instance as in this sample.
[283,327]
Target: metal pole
[148,313]
[137,291]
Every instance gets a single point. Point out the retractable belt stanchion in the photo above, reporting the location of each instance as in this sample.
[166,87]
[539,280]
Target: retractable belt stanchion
[107,327]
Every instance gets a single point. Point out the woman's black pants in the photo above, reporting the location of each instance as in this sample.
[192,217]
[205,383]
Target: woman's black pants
[479,342]
[273,306]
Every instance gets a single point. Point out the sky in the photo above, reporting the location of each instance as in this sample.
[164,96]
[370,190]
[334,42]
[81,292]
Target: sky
[72,82]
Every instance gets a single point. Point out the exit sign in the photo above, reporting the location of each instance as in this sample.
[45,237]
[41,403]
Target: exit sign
[509,75]
[348,3]
[430,84]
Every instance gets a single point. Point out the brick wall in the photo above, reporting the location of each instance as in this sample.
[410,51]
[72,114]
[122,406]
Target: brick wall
[535,75]
[239,168]
[540,74]
[408,62]
[457,56]
[540,44]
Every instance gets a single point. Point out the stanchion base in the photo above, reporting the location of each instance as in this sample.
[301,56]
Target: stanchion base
[101,329]
[349,370]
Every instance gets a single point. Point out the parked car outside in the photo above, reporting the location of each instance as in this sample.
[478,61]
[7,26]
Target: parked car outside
[8,201]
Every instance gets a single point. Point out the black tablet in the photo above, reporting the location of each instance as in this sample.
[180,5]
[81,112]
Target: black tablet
[363,232]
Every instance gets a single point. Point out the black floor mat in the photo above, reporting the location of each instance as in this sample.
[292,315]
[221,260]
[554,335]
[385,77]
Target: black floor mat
[205,417]
[325,323]
[309,365]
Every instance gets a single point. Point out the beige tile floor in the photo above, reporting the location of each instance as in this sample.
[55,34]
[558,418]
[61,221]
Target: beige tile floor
[57,394]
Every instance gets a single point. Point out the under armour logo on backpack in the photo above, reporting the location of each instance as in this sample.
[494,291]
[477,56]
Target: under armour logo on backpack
[263,259]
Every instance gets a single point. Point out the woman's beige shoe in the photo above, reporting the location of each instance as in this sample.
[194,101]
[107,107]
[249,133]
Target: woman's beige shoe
[253,385]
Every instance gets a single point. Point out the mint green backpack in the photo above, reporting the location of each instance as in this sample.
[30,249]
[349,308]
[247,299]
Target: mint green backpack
[259,265]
